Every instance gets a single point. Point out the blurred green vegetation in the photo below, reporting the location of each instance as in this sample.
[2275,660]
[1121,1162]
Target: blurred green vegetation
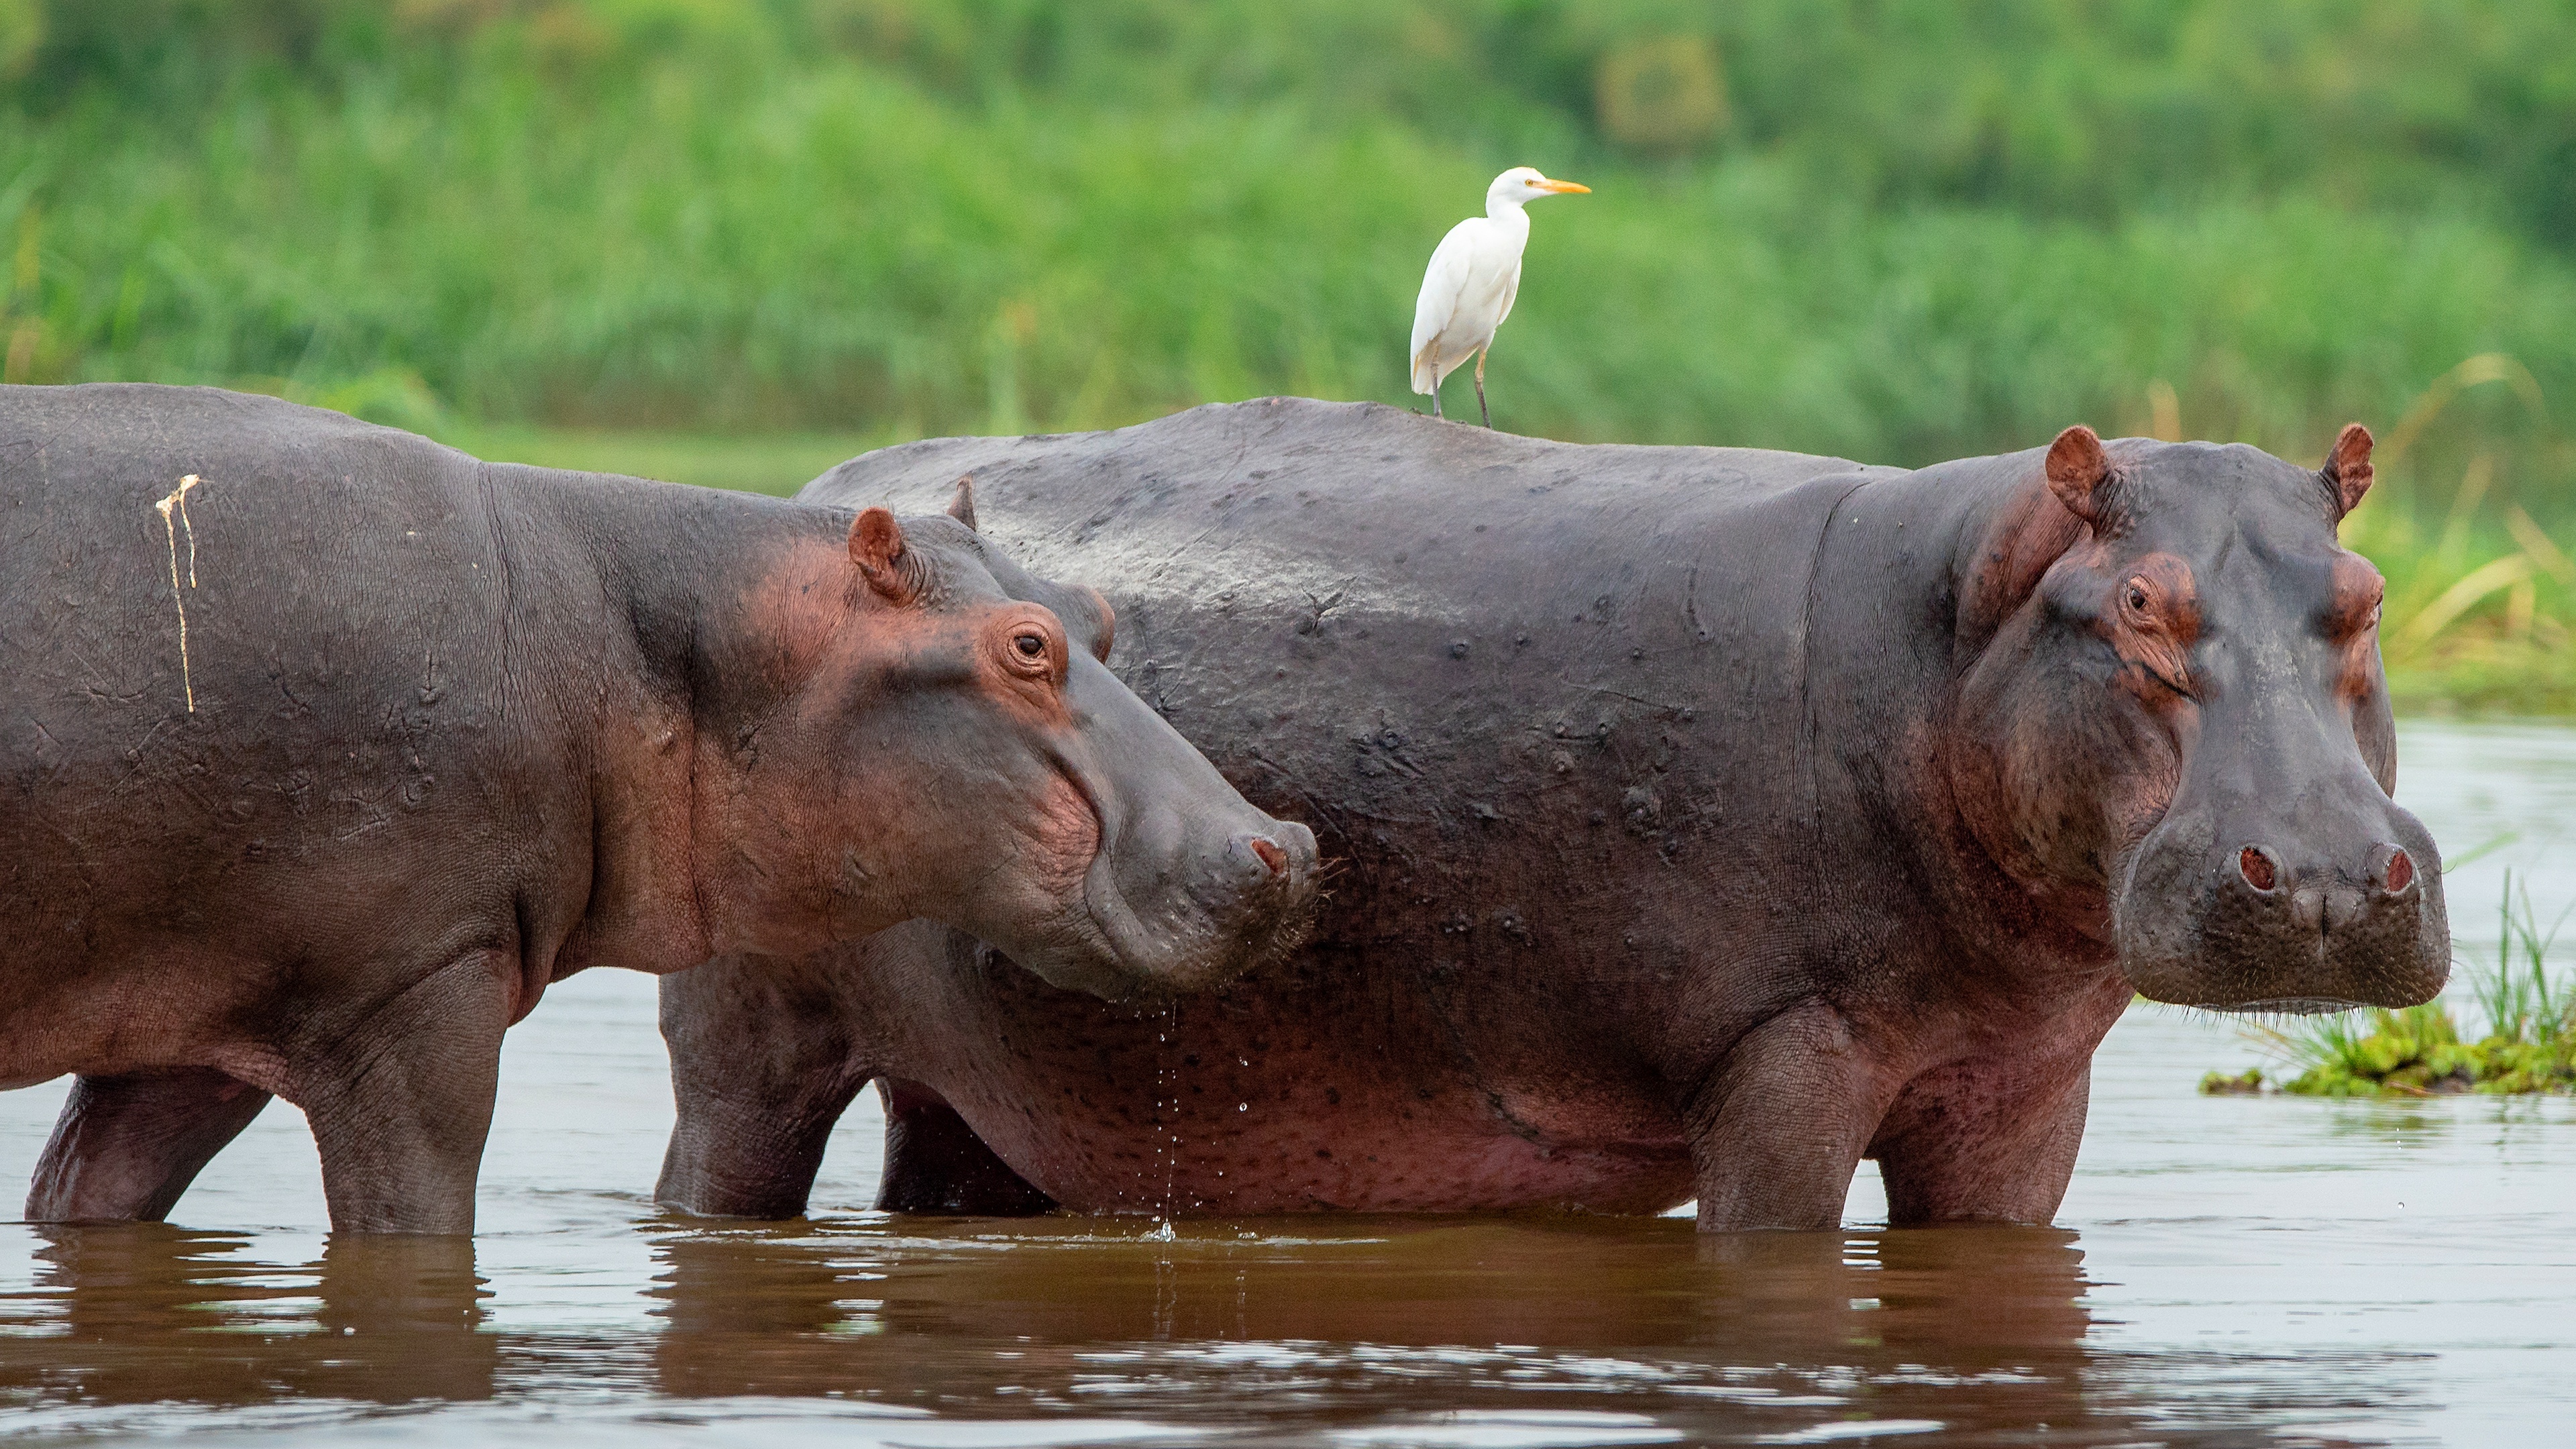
[773,463]
[1897,230]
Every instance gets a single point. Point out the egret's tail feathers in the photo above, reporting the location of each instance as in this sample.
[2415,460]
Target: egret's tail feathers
[1427,372]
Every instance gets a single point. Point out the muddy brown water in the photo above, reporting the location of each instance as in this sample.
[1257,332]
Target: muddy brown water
[2225,1271]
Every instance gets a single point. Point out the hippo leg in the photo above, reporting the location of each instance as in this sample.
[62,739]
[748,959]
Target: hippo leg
[400,1103]
[1983,1141]
[126,1147]
[1778,1130]
[934,1162]
[763,1063]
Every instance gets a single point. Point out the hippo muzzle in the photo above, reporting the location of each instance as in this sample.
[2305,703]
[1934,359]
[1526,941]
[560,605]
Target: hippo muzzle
[1227,909]
[2331,899]
[1190,886]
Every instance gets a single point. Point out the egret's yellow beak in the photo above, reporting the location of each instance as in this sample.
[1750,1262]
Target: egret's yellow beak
[1571,186]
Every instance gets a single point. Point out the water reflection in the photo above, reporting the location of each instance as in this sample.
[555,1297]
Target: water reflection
[1399,1330]
[145,1314]
[1324,1325]
[1350,1321]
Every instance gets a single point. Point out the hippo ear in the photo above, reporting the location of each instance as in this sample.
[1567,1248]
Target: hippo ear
[962,507]
[2076,467]
[876,546]
[2347,471]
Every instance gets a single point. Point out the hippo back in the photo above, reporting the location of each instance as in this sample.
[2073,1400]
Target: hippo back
[1477,664]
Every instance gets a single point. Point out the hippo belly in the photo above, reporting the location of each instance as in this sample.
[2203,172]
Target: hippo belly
[1262,1100]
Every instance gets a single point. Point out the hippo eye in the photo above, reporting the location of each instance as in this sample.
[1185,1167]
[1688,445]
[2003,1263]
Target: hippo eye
[1029,648]
[2137,597]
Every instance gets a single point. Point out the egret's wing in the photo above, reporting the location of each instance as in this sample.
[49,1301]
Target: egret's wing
[1511,292]
[1444,283]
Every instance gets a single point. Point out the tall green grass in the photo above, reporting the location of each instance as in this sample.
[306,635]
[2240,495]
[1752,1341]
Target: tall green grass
[1896,231]
[939,216]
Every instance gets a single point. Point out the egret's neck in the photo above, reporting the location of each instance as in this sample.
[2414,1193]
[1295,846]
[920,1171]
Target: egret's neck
[1507,210]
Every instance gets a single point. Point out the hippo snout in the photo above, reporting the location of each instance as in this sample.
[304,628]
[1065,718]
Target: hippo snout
[2273,920]
[1178,904]
[1263,883]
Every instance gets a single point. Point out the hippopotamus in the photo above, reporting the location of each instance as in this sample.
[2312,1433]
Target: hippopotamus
[1699,823]
[327,748]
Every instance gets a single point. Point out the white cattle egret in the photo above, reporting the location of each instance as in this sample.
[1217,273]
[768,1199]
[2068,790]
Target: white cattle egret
[1475,272]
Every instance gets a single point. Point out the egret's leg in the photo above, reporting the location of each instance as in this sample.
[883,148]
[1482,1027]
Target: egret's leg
[1483,413]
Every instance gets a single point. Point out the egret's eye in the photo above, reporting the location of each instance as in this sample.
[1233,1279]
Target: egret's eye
[1031,646]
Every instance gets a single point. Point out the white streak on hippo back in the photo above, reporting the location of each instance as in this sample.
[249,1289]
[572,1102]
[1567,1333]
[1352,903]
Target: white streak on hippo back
[178,500]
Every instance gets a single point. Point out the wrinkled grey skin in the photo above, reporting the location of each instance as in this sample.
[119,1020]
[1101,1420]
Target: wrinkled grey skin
[1707,820]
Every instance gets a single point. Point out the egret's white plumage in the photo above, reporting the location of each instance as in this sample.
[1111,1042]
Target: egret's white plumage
[1475,273]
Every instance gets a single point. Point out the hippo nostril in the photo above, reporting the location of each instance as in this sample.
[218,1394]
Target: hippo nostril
[1271,855]
[2255,863]
[2401,871]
